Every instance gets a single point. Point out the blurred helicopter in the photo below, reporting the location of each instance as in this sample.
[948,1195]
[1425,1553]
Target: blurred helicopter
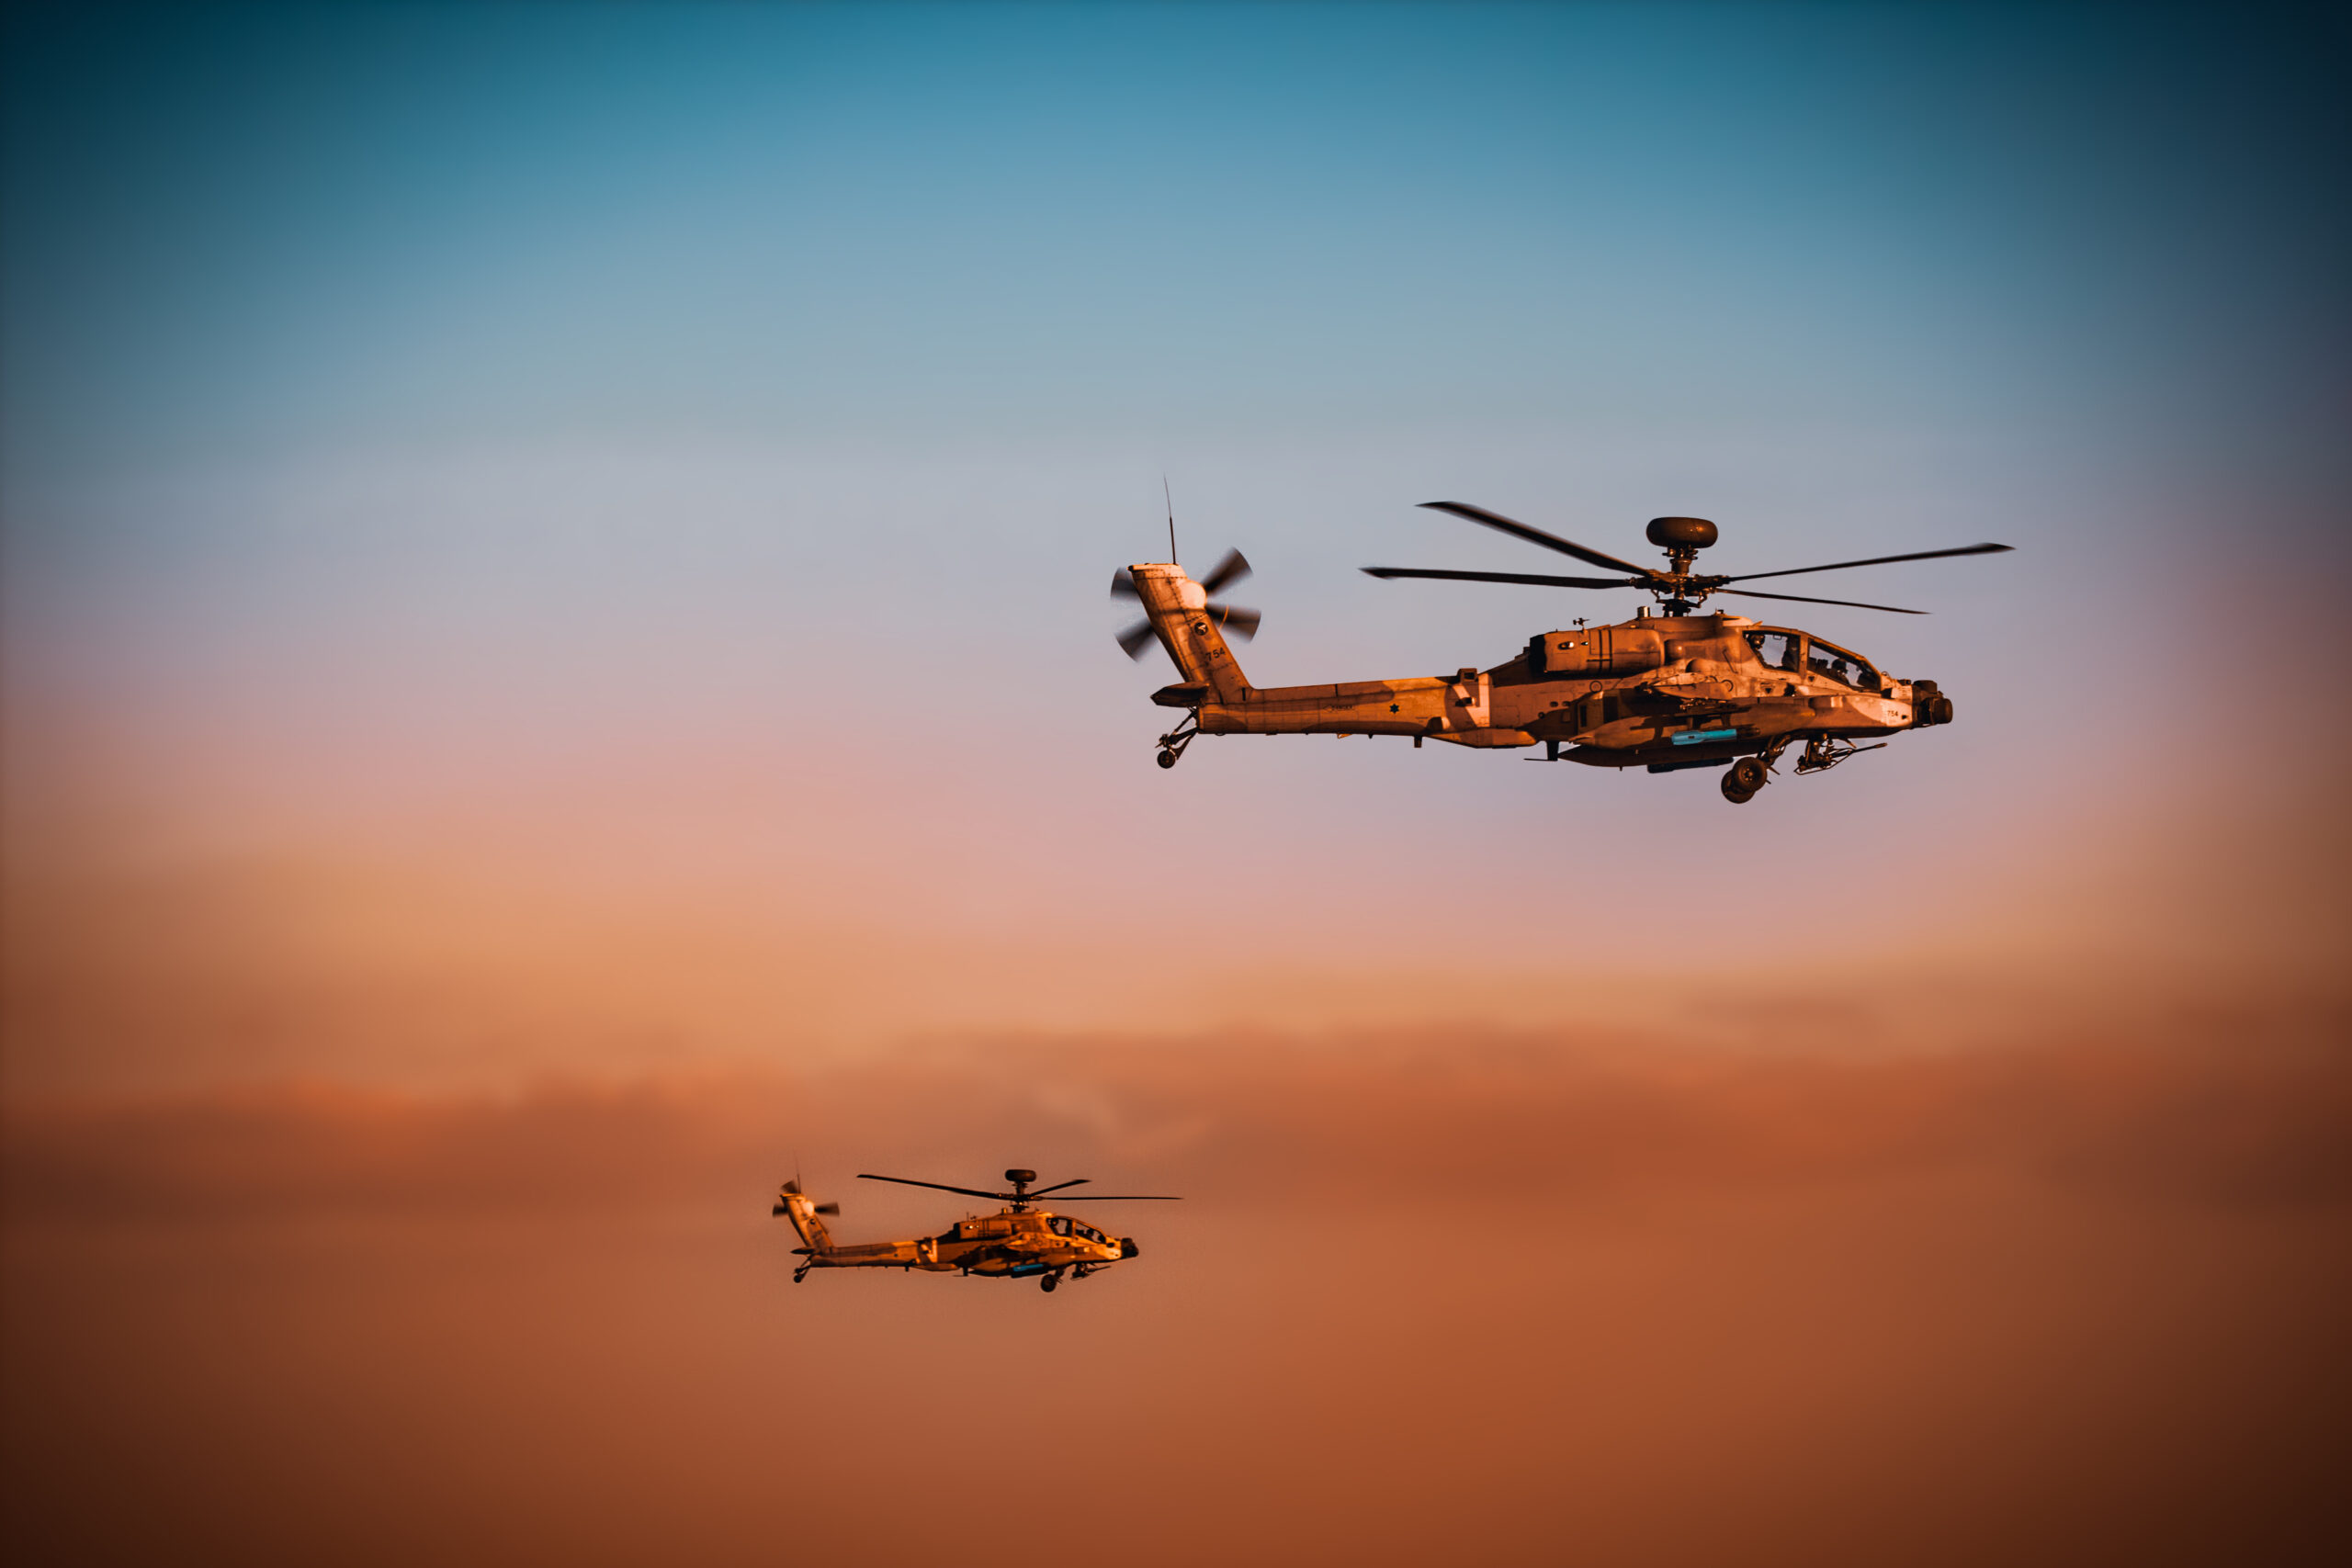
[1022,1242]
[1667,691]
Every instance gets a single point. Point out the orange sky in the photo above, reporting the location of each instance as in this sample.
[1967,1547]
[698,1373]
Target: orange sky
[202,902]
[1444,1296]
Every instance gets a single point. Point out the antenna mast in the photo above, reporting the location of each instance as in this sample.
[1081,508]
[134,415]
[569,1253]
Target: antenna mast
[1171,518]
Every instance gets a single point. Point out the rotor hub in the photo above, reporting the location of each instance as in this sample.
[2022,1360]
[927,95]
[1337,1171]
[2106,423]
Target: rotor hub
[1683,539]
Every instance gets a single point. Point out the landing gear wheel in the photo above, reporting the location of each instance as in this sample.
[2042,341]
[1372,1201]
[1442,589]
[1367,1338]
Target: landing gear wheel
[1745,778]
[1049,1282]
[1172,744]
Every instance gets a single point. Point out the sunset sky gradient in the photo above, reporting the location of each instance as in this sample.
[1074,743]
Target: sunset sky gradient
[555,565]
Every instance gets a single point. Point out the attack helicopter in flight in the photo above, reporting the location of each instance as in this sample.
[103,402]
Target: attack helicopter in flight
[1679,689]
[1022,1241]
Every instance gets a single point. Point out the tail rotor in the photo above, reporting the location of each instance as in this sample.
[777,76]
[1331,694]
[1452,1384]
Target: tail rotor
[790,1191]
[1234,619]
[808,1219]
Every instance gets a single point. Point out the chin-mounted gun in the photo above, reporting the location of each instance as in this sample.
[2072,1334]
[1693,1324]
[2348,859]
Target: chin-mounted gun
[1928,704]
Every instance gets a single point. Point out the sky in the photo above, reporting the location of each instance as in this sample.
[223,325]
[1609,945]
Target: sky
[646,475]
[560,552]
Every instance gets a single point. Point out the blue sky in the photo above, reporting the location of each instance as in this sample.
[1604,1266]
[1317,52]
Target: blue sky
[250,231]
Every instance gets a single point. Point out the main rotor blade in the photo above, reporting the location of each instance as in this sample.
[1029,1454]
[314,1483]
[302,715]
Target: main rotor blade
[1241,623]
[1230,570]
[1532,579]
[1122,584]
[1800,599]
[1136,639]
[1126,1198]
[1078,1181]
[1874,560]
[1537,536]
[968,1191]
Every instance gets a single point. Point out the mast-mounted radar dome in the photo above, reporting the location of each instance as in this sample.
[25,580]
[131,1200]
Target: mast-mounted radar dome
[1680,532]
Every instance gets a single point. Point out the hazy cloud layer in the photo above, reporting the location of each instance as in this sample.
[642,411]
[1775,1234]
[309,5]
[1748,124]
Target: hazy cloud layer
[1460,1298]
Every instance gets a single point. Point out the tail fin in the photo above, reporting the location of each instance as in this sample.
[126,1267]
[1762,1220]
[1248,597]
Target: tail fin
[1187,628]
[804,1211]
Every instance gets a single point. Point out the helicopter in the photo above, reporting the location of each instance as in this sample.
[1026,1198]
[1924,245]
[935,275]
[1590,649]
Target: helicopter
[1668,691]
[1022,1242]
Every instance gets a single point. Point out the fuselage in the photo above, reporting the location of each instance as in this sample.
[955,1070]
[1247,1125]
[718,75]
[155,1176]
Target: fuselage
[1012,1244]
[1669,691]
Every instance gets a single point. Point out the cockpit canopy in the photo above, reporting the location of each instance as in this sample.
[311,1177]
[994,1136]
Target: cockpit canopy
[1800,654]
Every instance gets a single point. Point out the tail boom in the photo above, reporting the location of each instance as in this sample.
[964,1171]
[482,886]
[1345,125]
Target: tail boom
[818,1250]
[1459,710]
